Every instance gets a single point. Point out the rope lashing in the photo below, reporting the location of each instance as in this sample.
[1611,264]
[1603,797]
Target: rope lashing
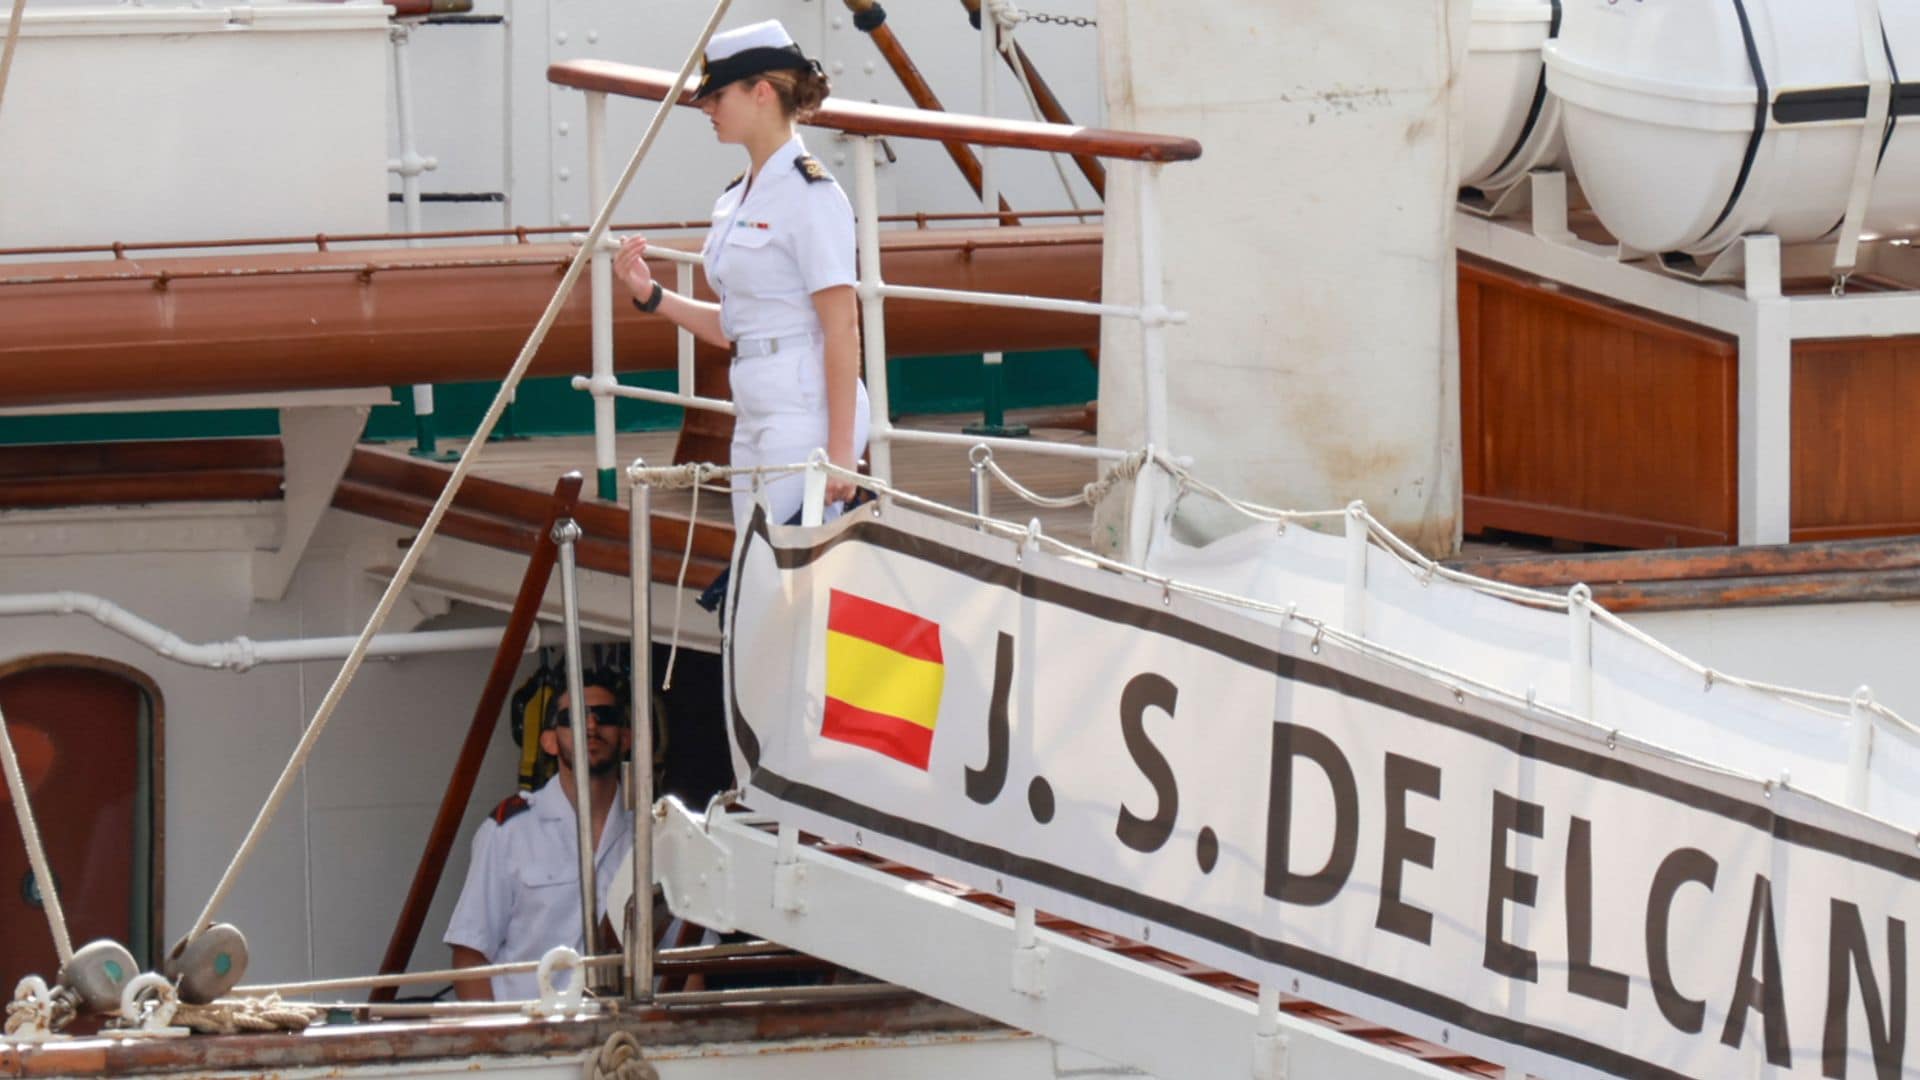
[37,1010]
[236,1016]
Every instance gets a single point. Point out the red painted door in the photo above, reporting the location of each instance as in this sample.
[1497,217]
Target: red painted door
[77,732]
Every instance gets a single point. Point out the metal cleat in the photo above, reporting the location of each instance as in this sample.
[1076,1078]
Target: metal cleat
[33,1016]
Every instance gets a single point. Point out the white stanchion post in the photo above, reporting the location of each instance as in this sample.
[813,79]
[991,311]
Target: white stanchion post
[787,871]
[813,500]
[1153,309]
[873,325]
[565,535]
[982,481]
[1580,651]
[600,294]
[1860,749]
[640,763]
[1269,1046]
[410,164]
[683,337]
[1029,974]
[1355,617]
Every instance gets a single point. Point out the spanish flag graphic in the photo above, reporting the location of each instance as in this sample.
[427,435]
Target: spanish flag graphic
[884,676]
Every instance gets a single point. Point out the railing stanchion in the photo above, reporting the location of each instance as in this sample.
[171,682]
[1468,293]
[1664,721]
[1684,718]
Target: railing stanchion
[566,534]
[1355,620]
[993,372]
[640,941]
[873,326]
[1860,749]
[1153,309]
[600,290]
[1580,655]
[982,481]
[683,337]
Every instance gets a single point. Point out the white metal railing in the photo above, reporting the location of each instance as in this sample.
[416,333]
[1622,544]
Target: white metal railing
[1151,313]
[1858,717]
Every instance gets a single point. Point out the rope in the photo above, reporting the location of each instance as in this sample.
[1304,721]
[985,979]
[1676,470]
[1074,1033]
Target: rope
[619,1059]
[1126,469]
[1404,553]
[1008,17]
[36,851]
[231,1016]
[467,458]
[680,583]
[1412,560]
[409,978]
[13,38]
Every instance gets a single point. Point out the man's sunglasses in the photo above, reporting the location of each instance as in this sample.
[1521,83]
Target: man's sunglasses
[603,715]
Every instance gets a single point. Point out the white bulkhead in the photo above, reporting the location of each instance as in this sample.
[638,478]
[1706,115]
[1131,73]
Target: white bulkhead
[174,123]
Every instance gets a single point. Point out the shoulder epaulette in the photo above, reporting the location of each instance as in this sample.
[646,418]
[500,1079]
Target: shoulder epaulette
[510,807]
[811,168]
[734,183]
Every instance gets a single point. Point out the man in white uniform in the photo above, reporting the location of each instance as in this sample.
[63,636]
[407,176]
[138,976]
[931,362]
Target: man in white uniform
[522,895]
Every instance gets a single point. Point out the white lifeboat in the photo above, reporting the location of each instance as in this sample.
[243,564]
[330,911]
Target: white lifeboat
[1512,124]
[1691,124]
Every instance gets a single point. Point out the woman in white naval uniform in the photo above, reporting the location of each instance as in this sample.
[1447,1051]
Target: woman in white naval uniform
[780,256]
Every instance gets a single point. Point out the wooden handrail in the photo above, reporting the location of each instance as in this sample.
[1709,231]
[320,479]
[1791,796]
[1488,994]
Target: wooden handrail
[860,118]
[486,716]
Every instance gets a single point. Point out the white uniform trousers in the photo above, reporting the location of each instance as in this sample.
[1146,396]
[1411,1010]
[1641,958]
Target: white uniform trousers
[780,418]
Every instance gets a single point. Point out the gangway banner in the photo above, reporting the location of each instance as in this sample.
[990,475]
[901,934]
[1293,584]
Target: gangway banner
[1345,827]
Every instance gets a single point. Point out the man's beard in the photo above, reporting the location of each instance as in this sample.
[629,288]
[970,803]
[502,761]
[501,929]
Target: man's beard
[600,769]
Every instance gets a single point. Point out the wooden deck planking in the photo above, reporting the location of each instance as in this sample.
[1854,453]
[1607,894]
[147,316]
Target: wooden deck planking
[940,473]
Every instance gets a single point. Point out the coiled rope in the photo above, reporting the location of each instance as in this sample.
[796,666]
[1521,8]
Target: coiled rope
[619,1059]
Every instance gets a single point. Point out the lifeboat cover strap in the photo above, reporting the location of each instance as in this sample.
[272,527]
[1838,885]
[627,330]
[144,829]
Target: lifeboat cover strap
[1539,100]
[1762,98]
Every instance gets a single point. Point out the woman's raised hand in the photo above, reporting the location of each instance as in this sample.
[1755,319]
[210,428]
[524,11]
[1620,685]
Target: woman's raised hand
[630,266]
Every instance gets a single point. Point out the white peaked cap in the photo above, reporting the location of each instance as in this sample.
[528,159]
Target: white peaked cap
[761,35]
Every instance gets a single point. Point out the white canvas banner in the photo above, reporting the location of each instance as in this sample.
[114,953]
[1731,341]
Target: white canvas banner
[1320,820]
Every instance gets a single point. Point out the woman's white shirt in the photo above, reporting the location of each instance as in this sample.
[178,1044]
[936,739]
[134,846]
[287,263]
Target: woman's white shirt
[776,242]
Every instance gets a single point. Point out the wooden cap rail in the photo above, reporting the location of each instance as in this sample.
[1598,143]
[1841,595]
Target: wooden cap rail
[1823,572]
[860,118]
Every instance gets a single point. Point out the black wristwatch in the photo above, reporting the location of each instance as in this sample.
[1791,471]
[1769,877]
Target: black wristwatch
[652,303]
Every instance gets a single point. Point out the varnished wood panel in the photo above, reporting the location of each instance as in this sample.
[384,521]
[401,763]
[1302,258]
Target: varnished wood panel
[1856,455]
[1586,420]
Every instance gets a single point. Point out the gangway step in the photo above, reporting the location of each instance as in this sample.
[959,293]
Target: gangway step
[1156,957]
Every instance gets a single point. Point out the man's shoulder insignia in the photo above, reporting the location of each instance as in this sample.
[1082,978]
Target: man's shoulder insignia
[510,807]
[734,183]
[811,168]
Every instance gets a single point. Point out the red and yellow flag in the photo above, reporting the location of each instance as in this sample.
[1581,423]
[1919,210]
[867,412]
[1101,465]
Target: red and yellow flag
[884,676]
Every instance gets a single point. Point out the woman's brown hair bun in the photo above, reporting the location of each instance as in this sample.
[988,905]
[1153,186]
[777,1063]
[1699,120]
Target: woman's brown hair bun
[800,92]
